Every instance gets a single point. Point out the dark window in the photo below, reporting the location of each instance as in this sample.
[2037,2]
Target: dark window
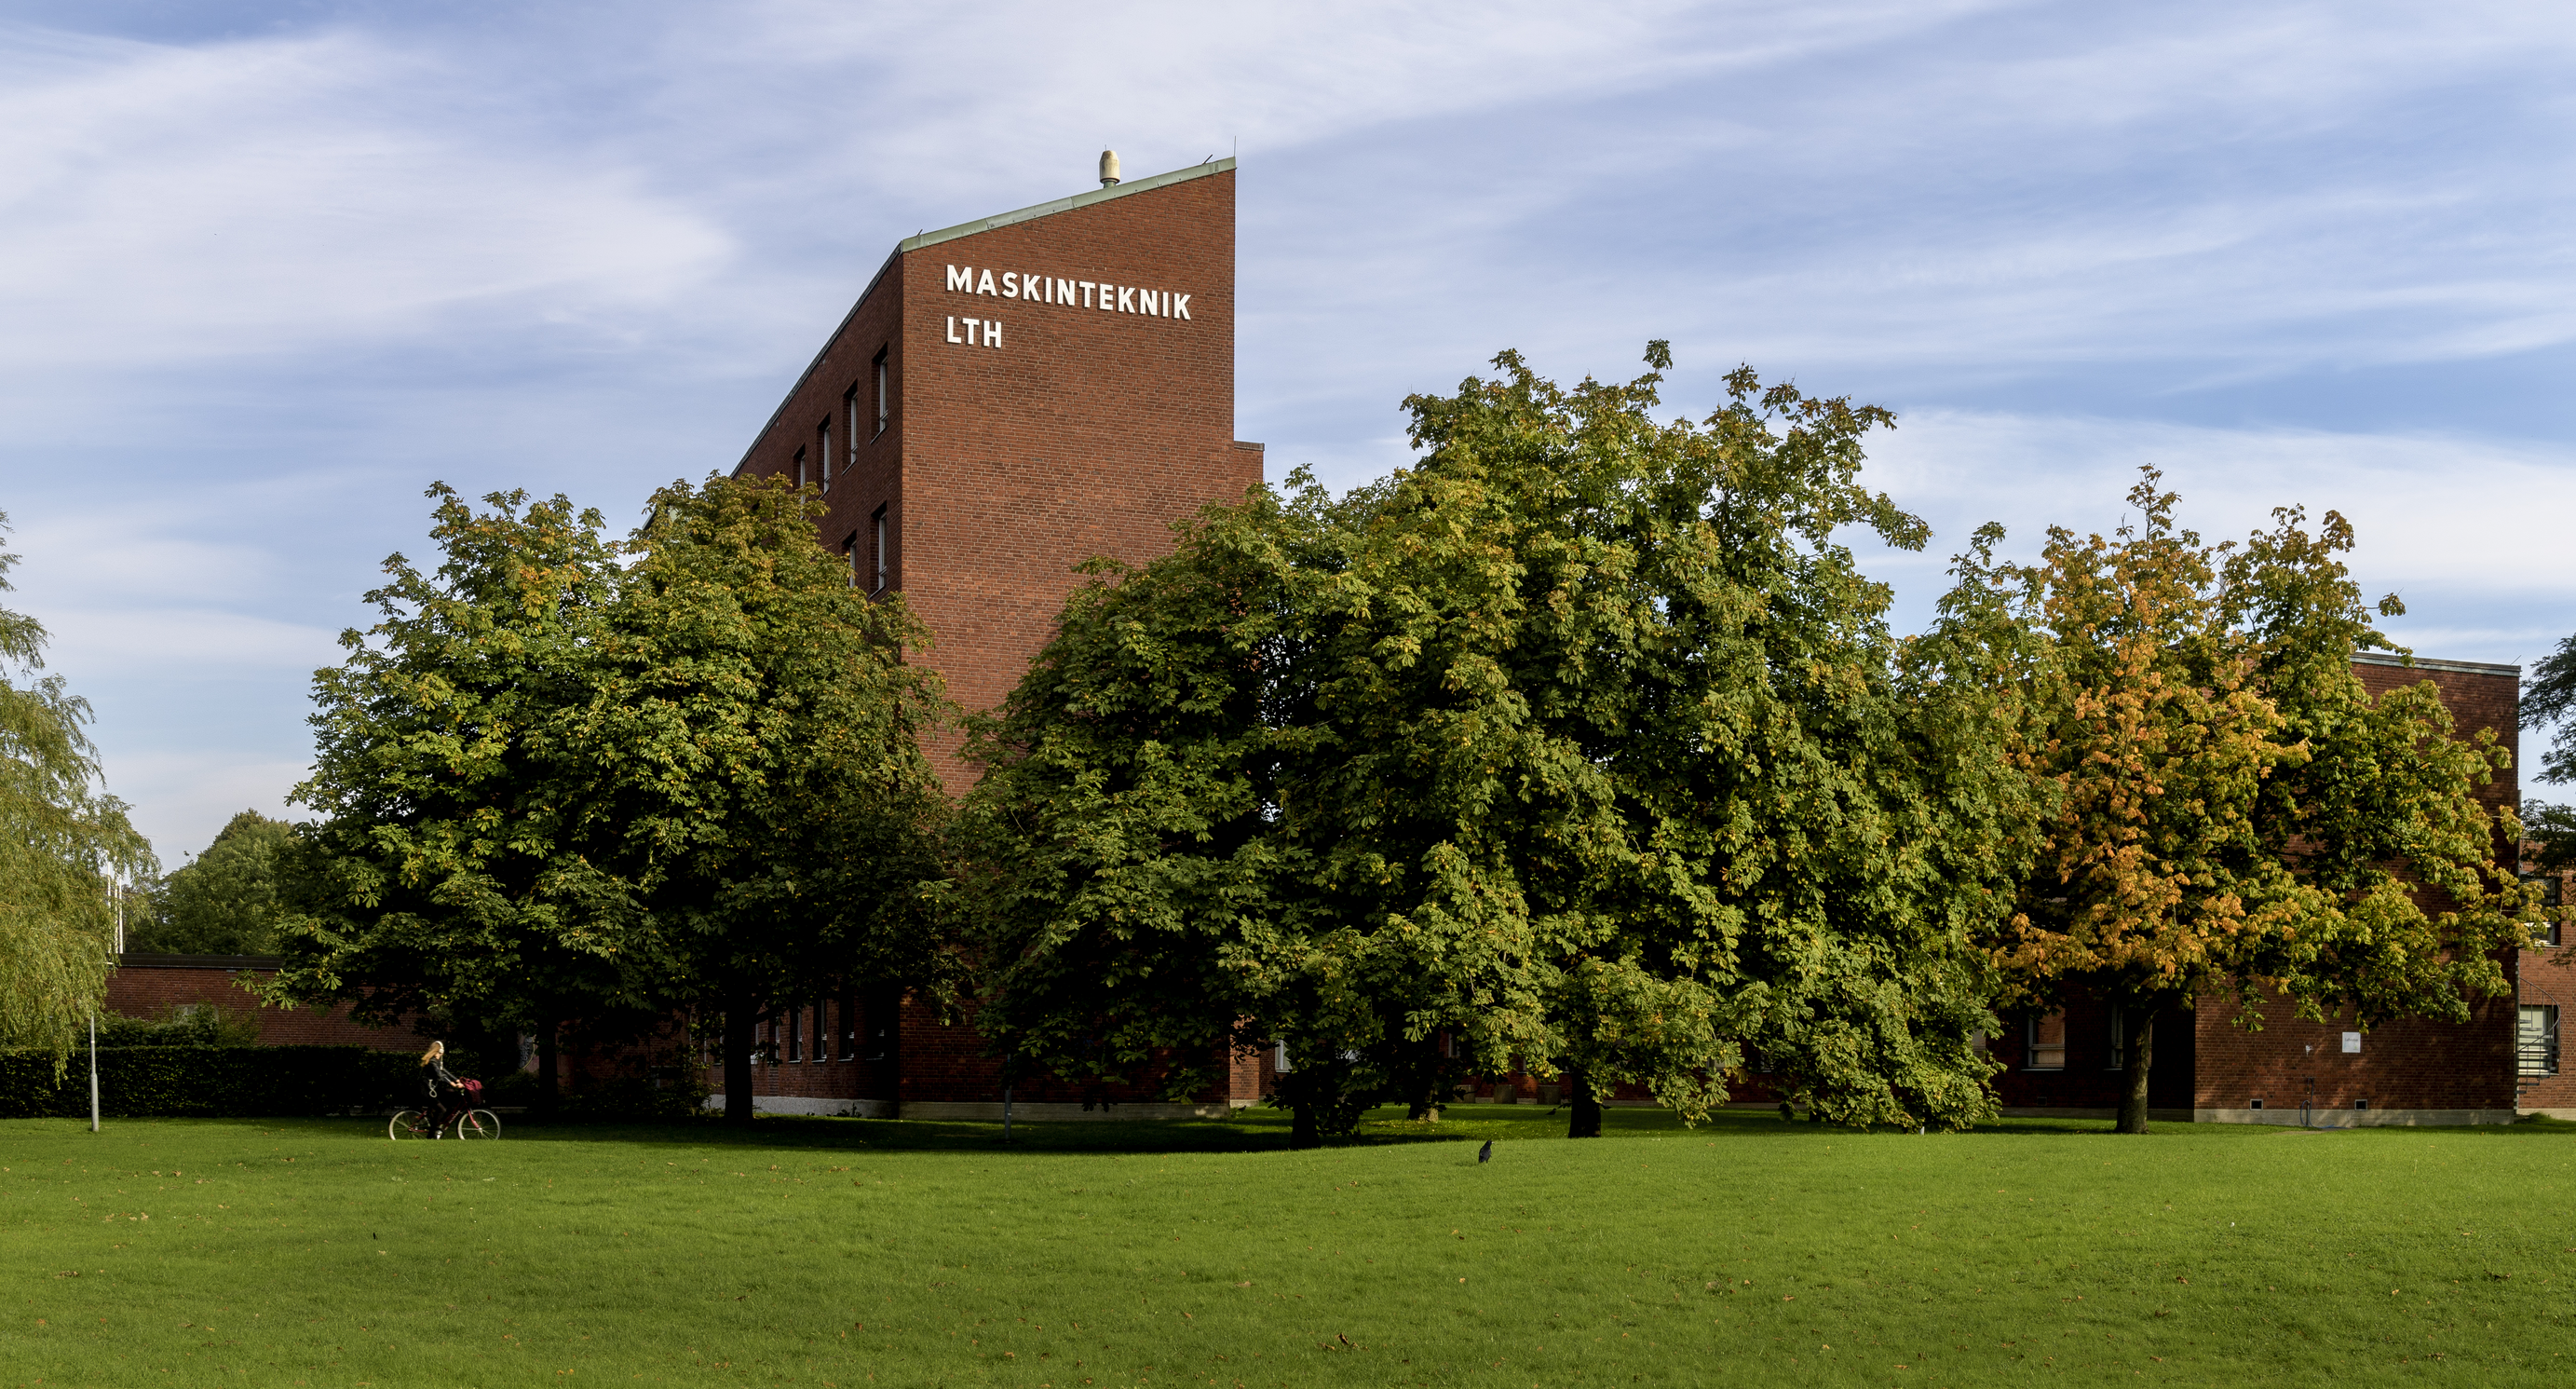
[849,1019]
[822,1032]
[800,470]
[885,398]
[850,556]
[850,428]
[795,1035]
[2553,895]
[823,451]
[2119,1040]
[877,549]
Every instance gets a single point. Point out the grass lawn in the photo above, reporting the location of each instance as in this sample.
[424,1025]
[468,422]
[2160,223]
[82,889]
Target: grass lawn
[850,1252]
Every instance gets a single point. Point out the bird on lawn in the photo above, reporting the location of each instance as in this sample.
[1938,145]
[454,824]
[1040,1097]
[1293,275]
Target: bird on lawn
[1486,1153]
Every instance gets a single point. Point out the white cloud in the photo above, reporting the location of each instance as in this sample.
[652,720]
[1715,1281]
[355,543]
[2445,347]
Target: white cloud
[242,198]
[2469,530]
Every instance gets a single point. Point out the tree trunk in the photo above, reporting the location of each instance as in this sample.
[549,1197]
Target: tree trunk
[1585,1122]
[738,1024]
[549,1067]
[2139,1021]
[1302,1129]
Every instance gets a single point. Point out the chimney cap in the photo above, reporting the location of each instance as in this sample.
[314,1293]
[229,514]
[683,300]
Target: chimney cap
[1108,168]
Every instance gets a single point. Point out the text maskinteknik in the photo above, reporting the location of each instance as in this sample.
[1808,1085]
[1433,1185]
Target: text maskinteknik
[1084,294]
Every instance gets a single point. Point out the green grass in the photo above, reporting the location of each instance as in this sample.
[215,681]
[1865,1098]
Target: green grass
[845,1252]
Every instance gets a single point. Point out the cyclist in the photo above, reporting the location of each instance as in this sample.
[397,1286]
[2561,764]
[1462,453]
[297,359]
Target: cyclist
[441,1086]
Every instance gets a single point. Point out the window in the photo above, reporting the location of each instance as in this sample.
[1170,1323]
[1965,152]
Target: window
[800,470]
[2553,895]
[2119,1039]
[822,1033]
[795,1034]
[823,452]
[849,1019]
[885,398]
[850,556]
[850,427]
[2538,1044]
[2047,1039]
[877,549]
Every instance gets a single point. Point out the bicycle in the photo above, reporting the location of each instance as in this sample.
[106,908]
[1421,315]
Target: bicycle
[467,1123]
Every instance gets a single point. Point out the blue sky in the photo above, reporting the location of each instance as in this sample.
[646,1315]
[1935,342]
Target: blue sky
[272,269]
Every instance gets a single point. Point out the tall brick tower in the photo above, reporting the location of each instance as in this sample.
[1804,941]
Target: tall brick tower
[1014,395]
[1008,398]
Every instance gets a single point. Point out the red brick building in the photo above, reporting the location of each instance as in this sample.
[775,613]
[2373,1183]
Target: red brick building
[1011,396]
[157,986]
[1008,398]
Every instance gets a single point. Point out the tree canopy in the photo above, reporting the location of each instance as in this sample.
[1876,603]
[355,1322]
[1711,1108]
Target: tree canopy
[66,848]
[2227,811]
[560,788]
[225,900]
[1582,742]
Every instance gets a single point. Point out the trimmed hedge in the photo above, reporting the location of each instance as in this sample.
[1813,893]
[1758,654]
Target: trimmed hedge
[207,1082]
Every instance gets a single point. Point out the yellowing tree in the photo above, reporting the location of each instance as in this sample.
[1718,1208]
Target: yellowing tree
[2228,810]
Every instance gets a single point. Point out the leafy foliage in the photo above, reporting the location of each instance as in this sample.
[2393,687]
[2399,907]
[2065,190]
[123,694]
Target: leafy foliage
[223,902]
[2228,809]
[65,846]
[752,759]
[560,789]
[2549,697]
[1581,742]
[447,874]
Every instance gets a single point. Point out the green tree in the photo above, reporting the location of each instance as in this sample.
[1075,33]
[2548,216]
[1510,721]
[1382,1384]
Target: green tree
[1578,743]
[2549,697]
[447,876]
[755,774]
[224,901]
[2229,812]
[65,848]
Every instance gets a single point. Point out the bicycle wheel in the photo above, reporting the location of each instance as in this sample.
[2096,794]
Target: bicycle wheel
[478,1123]
[406,1123]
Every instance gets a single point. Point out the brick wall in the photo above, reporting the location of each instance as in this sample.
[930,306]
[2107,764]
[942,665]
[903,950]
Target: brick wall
[148,986]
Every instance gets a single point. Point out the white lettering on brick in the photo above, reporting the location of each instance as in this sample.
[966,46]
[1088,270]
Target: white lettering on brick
[961,277]
[1126,299]
[1086,292]
[1063,292]
[952,330]
[985,285]
[992,332]
[1010,285]
[970,330]
[1181,306]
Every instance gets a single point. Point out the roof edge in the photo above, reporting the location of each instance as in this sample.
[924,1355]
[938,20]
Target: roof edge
[2390,658]
[1078,200]
[820,354]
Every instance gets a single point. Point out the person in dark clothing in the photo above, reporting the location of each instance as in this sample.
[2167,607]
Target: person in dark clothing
[442,1088]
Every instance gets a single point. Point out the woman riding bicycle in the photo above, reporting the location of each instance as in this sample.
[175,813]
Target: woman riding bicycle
[442,1087]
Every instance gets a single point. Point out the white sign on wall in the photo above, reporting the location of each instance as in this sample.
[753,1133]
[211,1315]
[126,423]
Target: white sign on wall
[1098,296]
[2351,1043]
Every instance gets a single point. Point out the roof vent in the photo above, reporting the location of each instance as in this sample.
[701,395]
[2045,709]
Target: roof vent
[1108,168]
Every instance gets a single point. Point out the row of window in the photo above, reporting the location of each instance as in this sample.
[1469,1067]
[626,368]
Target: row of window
[824,1032]
[814,465]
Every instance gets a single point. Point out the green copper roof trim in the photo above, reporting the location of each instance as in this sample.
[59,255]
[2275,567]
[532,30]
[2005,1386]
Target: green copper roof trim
[2391,658]
[1078,200]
